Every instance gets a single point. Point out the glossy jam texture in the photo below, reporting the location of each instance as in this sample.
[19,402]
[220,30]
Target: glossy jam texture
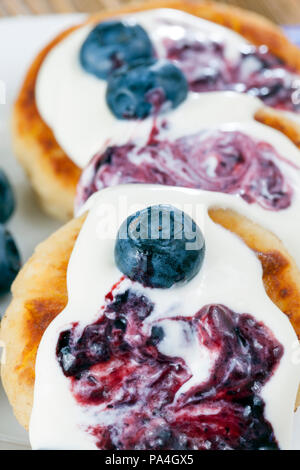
[257,71]
[116,369]
[229,162]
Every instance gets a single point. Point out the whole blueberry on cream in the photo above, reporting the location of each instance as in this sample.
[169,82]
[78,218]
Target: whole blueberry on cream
[146,88]
[159,246]
[111,45]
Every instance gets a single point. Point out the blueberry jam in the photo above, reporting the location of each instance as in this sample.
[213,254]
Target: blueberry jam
[133,390]
[229,162]
[257,71]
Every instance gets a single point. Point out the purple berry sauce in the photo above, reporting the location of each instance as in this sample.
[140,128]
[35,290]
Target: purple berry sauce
[257,71]
[229,162]
[115,365]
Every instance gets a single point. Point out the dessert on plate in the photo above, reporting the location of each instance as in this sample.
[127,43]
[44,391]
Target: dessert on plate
[148,326]
[101,80]
[223,150]
[166,314]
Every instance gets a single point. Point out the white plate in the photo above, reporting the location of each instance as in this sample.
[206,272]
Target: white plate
[21,38]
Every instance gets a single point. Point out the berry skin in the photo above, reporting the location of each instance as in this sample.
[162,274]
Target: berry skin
[111,45]
[143,89]
[159,246]
[10,262]
[7,200]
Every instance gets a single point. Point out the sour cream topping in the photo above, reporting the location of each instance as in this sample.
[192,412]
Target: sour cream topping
[234,112]
[72,102]
[231,275]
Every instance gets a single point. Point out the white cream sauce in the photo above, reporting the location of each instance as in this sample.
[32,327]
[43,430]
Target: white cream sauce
[72,102]
[230,275]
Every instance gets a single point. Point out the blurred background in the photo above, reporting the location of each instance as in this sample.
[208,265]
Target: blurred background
[280,11]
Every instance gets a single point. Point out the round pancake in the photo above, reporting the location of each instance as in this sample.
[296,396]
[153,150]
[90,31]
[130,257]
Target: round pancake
[40,294]
[52,173]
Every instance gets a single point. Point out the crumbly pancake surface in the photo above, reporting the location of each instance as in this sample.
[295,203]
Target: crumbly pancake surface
[40,294]
[52,173]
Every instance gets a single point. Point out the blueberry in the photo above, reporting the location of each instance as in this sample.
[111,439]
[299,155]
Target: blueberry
[157,335]
[92,347]
[7,200]
[9,260]
[121,324]
[159,246]
[138,91]
[113,44]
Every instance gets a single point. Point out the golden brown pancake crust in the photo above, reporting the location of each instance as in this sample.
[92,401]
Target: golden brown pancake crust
[40,294]
[53,174]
